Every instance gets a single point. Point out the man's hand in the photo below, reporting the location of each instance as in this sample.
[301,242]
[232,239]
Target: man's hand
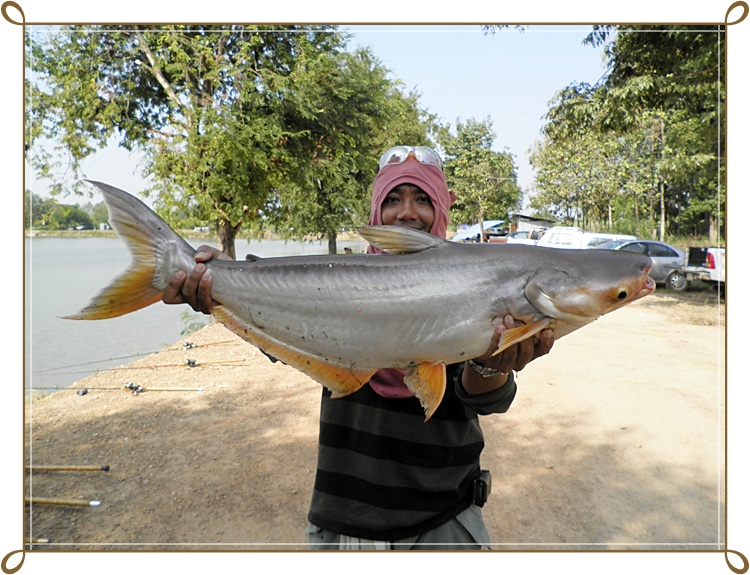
[194,288]
[515,358]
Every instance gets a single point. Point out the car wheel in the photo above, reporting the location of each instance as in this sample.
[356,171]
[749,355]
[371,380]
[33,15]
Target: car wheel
[677,281]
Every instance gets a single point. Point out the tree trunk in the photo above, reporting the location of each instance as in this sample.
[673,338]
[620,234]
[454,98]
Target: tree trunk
[662,203]
[662,209]
[332,249]
[226,233]
[713,228]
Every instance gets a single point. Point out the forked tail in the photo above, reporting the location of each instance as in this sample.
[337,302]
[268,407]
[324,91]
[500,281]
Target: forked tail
[157,253]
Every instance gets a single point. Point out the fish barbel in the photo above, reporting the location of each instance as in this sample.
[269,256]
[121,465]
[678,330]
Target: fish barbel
[427,303]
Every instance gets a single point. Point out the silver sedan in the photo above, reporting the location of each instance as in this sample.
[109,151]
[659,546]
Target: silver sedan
[666,258]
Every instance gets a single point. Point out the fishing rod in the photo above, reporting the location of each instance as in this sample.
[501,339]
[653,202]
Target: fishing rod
[61,501]
[135,388]
[184,347]
[66,467]
[188,363]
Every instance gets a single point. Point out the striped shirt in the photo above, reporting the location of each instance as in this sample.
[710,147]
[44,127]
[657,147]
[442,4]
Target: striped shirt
[385,474]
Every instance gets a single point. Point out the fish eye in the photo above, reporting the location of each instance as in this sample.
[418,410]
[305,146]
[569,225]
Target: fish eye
[622,294]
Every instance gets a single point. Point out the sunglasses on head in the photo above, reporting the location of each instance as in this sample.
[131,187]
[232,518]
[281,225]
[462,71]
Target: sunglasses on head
[398,155]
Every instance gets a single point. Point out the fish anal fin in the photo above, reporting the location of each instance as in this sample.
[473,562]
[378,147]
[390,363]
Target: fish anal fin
[427,383]
[340,380]
[520,333]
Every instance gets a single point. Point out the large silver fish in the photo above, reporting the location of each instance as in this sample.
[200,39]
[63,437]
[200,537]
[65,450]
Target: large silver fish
[339,319]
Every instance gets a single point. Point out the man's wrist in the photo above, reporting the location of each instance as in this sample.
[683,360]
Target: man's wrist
[483,370]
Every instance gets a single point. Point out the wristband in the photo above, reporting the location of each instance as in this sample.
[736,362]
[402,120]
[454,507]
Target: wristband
[483,370]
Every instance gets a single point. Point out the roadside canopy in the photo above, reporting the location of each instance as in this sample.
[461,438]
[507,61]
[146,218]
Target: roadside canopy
[472,231]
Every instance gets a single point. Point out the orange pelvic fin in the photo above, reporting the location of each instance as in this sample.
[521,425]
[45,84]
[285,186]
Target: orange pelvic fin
[427,383]
[520,333]
[340,380]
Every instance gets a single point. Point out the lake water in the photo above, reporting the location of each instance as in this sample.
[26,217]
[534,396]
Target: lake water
[62,274]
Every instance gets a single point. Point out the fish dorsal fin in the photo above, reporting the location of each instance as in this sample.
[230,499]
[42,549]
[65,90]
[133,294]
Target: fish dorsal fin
[398,239]
[427,383]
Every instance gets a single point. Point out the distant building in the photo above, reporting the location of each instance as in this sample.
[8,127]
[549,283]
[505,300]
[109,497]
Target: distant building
[520,222]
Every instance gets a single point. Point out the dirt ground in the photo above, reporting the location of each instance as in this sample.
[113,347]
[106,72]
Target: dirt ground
[613,442]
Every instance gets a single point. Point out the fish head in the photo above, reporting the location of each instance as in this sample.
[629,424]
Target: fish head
[588,284]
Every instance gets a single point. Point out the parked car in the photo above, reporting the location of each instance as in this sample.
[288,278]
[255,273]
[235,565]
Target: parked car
[528,237]
[471,233]
[576,238]
[703,264]
[668,261]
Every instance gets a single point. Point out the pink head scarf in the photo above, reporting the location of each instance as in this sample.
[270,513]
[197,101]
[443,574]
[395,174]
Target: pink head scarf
[431,180]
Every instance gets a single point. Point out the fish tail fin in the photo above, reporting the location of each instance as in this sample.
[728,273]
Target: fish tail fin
[157,252]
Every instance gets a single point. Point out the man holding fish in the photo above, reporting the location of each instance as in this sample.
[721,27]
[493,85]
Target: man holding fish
[385,478]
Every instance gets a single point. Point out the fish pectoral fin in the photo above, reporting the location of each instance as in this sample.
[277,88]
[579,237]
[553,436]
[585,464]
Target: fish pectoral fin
[399,240]
[520,333]
[427,383]
[340,380]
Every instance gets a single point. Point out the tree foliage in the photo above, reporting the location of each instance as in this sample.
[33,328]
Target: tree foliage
[239,124]
[643,149]
[484,180]
[346,111]
[49,214]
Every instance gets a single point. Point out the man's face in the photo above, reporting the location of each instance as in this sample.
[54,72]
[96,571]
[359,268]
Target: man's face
[407,205]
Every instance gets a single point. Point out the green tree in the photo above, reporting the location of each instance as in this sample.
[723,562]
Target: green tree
[40,211]
[484,180]
[51,215]
[655,120]
[348,112]
[201,102]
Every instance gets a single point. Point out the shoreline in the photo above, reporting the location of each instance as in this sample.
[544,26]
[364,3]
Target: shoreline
[187,234]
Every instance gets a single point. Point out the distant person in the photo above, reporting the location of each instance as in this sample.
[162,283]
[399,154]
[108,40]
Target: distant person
[385,478]
[347,250]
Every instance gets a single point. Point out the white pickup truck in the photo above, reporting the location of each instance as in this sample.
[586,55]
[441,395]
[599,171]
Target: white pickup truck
[703,264]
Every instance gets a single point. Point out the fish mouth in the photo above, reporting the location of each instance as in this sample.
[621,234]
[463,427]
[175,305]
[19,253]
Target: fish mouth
[648,287]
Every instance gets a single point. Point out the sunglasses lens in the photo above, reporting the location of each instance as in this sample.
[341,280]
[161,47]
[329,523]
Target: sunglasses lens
[398,154]
[394,156]
[428,156]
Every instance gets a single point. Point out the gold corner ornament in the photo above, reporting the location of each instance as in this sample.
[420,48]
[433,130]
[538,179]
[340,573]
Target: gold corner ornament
[739,4]
[738,570]
[17,6]
[4,564]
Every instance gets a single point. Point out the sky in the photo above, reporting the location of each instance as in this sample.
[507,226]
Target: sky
[509,77]
[510,86]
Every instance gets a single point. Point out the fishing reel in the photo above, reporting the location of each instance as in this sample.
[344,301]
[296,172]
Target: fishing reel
[136,389]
